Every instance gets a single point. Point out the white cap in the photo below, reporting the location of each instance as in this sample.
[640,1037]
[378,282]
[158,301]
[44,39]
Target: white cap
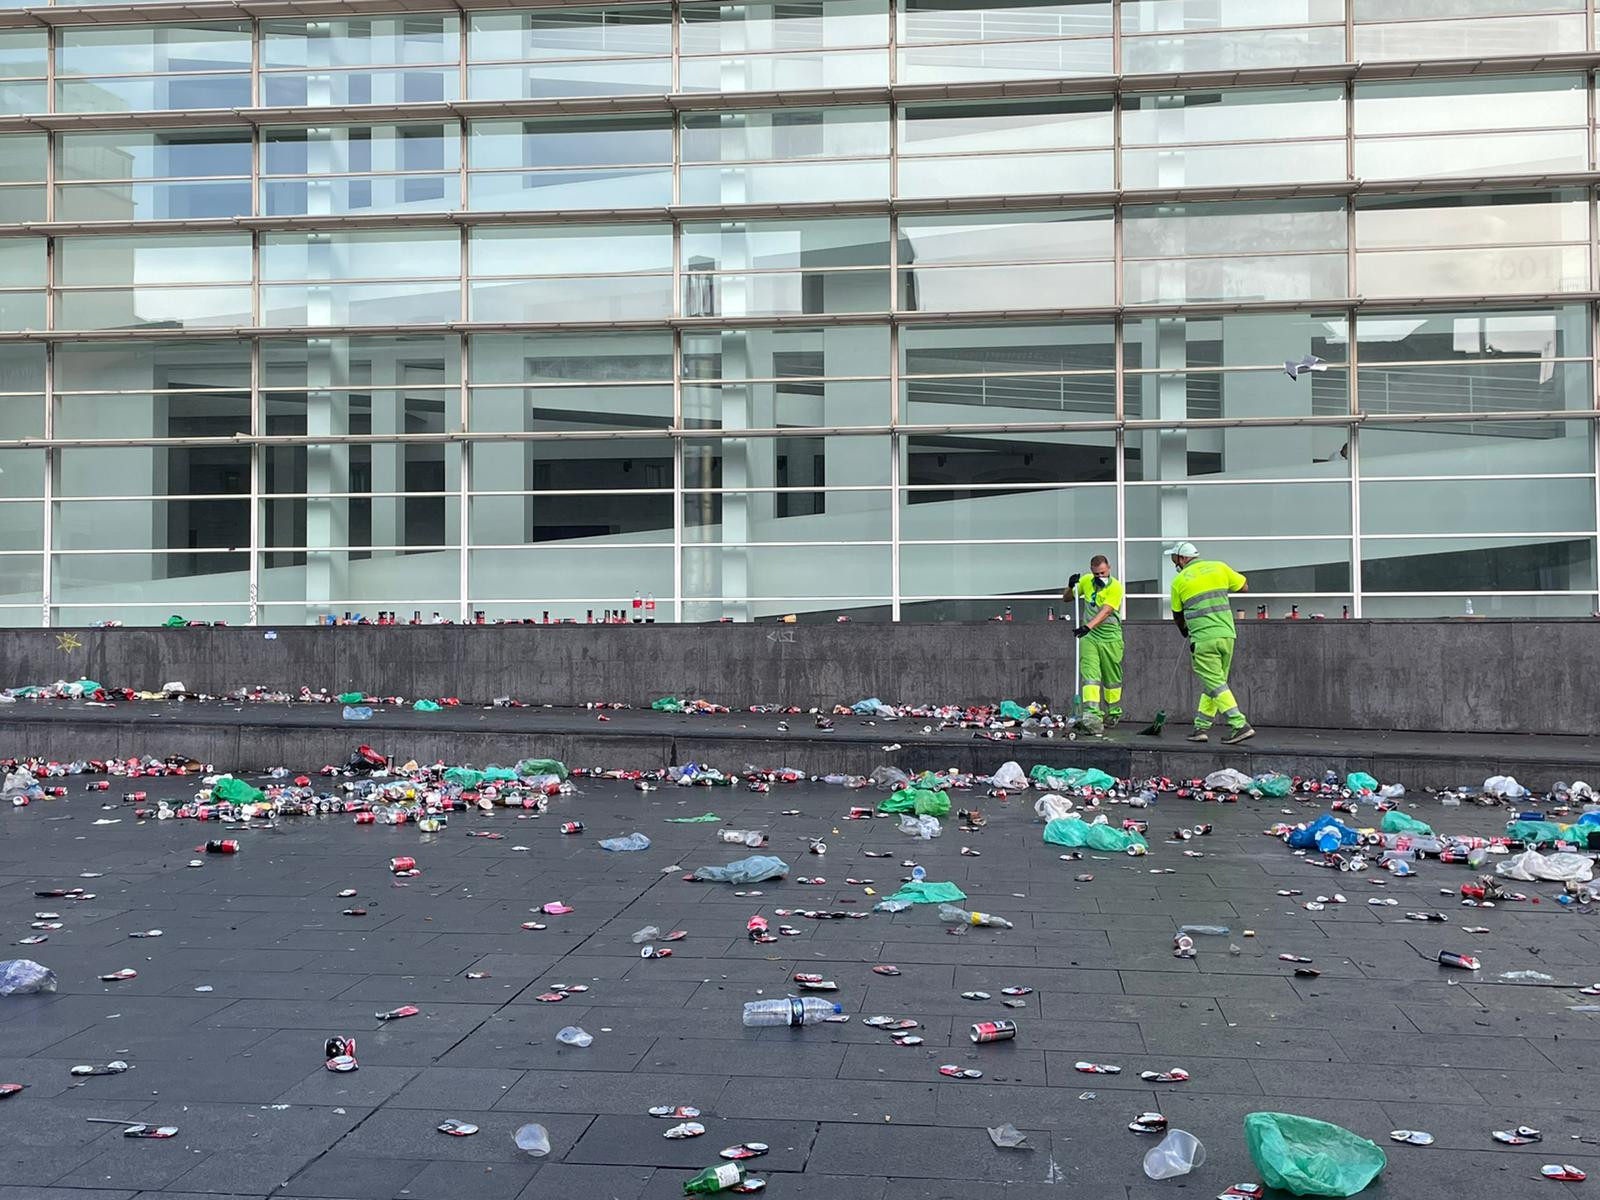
[1182,550]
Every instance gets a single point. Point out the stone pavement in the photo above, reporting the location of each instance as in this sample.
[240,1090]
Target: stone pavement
[1385,1039]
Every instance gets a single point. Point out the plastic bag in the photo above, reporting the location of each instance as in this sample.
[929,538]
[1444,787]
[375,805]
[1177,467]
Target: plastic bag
[1010,710]
[1052,807]
[542,766]
[755,869]
[924,892]
[890,779]
[1075,833]
[1227,780]
[1271,784]
[916,800]
[1305,838]
[1531,866]
[1310,1157]
[634,841]
[925,828]
[19,780]
[668,704]
[702,819]
[1395,821]
[465,777]
[236,791]
[1010,777]
[357,712]
[350,697]
[1503,787]
[1360,781]
[24,977]
[426,706]
[1537,833]
[870,707]
[1070,777]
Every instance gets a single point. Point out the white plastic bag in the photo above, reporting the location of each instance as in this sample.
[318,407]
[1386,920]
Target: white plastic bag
[1531,866]
[1010,776]
[1503,787]
[24,977]
[922,827]
[1052,806]
[1228,780]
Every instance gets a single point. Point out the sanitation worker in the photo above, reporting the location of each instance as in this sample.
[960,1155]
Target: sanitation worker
[1201,610]
[1100,657]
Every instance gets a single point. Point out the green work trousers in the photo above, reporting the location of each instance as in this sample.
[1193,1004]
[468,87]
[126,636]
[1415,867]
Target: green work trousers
[1100,659]
[1213,659]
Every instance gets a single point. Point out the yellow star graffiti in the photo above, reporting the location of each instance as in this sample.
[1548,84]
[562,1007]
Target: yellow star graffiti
[68,642]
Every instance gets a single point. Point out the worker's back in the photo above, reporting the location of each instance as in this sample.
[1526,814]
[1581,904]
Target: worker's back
[1200,592]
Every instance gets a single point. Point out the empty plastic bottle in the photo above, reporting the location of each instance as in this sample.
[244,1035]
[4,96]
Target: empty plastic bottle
[648,934]
[357,712]
[1204,930]
[574,1035]
[951,915]
[795,1010]
[741,837]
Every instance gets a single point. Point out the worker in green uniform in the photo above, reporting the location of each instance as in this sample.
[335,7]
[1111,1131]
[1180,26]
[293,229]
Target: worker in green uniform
[1101,653]
[1202,613]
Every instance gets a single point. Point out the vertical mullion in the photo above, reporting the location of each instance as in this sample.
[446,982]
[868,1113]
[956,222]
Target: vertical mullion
[256,431]
[1353,384]
[1594,423]
[463,484]
[677,476]
[1120,441]
[48,566]
[894,470]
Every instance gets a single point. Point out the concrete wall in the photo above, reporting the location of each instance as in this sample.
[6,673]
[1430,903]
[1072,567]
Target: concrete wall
[1450,675]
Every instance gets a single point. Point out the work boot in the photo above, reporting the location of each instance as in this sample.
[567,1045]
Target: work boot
[1201,734]
[1113,720]
[1235,736]
[1091,724]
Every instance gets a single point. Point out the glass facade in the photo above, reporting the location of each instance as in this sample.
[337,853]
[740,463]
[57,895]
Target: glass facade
[887,308]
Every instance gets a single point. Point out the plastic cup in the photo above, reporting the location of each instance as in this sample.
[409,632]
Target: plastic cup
[1177,1154]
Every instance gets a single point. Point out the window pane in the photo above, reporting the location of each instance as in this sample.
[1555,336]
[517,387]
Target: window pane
[575,465]
[152,201]
[570,141]
[980,399]
[1234,340]
[1457,506]
[182,414]
[1024,237]
[1199,396]
[1532,333]
[359,148]
[808,461]
[569,33]
[982,289]
[623,77]
[587,574]
[784,572]
[945,463]
[799,182]
[22,368]
[194,258]
[361,303]
[151,470]
[571,357]
[1470,220]
[1481,448]
[965,349]
[1150,16]
[773,245]
[960,514]
[1199,229]
[607,298]
[808,24]
[784,72]
[788,352]
[209,46]
[637,406]
[165,154]
[181,307]
[1468,39]
[1263,452]
[1311,572]
[787,133]
[596,519]
[1475,564]
[1284,277]
[371,361]
[1461,105]
[570,250]
[975,20]
[743,517]
[151,366]
[361,255]
[794,402]
[368,41]
[1205,512]
[993,126]
[995,60]
[1200,51]
[1482,387]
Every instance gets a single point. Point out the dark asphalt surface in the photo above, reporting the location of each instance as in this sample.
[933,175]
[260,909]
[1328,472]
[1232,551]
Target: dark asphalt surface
[1385,1039]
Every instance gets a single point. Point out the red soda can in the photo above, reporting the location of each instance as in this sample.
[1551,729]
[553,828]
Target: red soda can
[134,797]
[993,1031]
[1464,962]
[202,812]
[222,846]
[572,827]
[340,1045]
[756,927]
[55,791]
[402,864]
[365,818]
[99,785]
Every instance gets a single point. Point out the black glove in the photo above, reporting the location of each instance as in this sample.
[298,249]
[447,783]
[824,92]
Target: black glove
[1080,631]
[1073,582]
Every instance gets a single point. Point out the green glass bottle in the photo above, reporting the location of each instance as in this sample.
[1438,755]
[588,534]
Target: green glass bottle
[714,1179]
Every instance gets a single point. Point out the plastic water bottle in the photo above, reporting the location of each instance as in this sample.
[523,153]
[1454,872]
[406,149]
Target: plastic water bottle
[951,915]
[795,1010]
[1469,606]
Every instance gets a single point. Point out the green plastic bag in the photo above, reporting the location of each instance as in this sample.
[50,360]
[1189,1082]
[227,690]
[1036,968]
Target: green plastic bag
[463,777]
[1395,821]
[1075,833]
[1310,1157]
[668,704]
[1538,833]
[1271,785]
[498,775]
[1070,777]
[350,697]
[917,800]
[236,791]
[1010,710]
[929,893]
[542,766]
[1360,781]
[425,706]
[702,819]
[174,621]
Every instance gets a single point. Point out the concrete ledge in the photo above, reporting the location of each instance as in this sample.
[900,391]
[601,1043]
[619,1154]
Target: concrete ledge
[1459,675]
